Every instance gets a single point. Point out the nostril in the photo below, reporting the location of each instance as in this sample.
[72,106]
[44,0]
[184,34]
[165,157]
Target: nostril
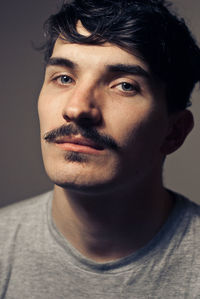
[86,121]
[66,117]
[90,117]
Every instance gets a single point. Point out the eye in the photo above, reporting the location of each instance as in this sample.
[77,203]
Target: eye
[63,80]
[125,86]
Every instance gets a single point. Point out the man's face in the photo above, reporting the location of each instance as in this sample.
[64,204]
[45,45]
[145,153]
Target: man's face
[115,113]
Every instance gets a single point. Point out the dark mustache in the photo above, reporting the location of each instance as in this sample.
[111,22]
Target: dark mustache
[86,132]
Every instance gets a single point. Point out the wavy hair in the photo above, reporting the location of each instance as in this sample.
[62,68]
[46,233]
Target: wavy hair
[146,28]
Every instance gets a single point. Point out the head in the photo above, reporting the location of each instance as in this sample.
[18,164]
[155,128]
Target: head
[104,54]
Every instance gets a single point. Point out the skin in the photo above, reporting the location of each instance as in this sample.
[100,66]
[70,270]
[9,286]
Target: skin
[112,202]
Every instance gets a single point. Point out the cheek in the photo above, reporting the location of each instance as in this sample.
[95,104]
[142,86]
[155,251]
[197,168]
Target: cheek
[49,113]
[142,129]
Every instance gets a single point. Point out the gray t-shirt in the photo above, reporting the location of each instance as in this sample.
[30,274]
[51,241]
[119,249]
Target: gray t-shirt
[36,261]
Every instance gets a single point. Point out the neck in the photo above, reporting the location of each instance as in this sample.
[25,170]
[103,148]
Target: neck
[113,225]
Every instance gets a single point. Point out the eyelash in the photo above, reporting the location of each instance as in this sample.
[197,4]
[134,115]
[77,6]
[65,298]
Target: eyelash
[135,87]
[60,77]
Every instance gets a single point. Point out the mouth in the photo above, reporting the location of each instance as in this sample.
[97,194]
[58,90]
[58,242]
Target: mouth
[78,144]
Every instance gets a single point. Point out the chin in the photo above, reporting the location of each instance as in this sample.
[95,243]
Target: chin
[93,188]
[82,173]
[90,189]
[83,182]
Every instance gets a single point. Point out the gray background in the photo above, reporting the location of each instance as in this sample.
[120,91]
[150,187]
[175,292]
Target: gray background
[21,74]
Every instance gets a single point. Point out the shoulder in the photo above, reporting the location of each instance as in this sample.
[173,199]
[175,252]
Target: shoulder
[21,233]
[25,206]
[22,213]
[186,219]
[191,209]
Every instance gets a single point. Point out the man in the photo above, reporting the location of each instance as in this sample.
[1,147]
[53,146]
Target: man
[118,79]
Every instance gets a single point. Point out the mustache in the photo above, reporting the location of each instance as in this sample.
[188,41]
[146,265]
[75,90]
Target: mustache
[87,132]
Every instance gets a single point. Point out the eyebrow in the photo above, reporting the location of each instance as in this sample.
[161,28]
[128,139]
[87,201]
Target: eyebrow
[128,68]
[57,61]
[136,70]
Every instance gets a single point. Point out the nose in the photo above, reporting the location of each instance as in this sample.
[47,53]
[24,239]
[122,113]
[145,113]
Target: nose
[82,107]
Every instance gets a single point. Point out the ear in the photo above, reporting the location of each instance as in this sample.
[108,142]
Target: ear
[180,125]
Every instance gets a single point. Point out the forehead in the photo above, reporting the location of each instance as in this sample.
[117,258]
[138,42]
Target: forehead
[95,55]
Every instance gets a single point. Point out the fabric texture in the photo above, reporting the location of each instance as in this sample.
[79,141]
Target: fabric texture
[36,261]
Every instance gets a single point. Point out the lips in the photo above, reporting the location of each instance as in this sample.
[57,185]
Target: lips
[78,144]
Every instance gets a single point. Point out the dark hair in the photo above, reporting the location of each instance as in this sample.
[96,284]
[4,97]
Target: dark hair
[145,28]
